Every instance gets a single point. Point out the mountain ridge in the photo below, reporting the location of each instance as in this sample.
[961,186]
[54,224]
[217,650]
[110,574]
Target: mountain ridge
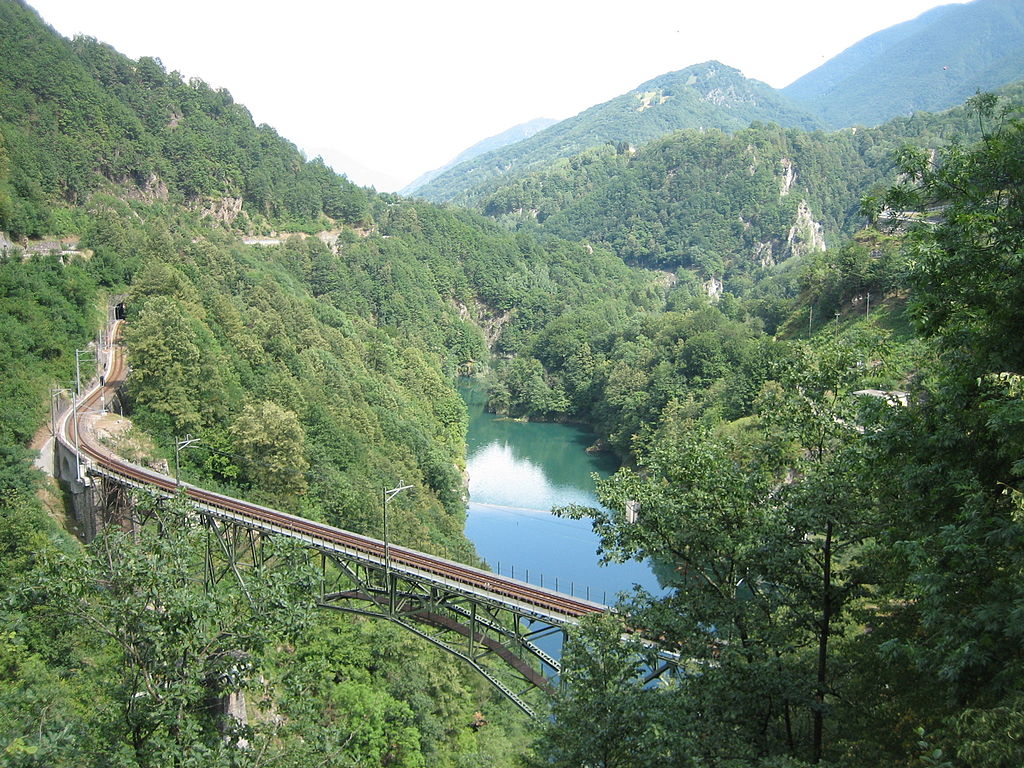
[497,141]
[929,63]
[706,95]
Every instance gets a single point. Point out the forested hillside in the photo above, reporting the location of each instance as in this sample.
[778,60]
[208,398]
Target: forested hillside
[703,96]
[931,63]
[718,202]
[77,117]
[766,222]
[314,374]
[847,557]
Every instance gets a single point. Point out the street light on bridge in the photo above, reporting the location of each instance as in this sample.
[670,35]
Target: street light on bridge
[76,397]
[388,496]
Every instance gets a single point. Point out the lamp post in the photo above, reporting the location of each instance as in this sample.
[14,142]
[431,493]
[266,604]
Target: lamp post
[388,496]
[76,396]
[56,393]
[179,446]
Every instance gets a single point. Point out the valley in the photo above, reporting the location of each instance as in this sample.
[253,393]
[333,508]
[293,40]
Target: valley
[699,279]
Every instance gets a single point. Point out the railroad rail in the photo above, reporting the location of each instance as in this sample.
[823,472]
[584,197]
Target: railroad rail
[394,582]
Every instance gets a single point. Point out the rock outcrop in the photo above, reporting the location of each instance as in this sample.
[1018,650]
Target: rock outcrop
[714,288]
[764,255]
[805,235]
[788,176]
[151,190]
[223,209]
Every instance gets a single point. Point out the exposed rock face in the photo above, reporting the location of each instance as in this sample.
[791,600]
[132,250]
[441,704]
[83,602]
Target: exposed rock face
[151,190]
[721,96]
[330,239]
[788,177]
[763,254]
[489,321]
[6,244]
[492,325]
[224,209]
[234,707]
[752,154]
[650,99]
[714,287]
[805,235]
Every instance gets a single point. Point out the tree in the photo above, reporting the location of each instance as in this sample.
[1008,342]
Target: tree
[271,442]
[522,389]
[762,536]
[603,717]
[164,649]
[956,548]
[967,243]
[167,364]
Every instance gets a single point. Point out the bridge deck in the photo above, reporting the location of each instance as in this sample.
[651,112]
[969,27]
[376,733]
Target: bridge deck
[554,607]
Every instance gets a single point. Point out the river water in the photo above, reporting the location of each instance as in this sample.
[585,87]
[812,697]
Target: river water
[518,471]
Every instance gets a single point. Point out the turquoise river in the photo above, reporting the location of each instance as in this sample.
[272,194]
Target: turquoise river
[518,471]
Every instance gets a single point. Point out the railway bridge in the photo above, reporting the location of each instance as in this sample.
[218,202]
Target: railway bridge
[477,615]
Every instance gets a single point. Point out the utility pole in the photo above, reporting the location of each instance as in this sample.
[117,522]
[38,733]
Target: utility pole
[632,511]
[180,445]
[388,496]
[55,397]
[74,411]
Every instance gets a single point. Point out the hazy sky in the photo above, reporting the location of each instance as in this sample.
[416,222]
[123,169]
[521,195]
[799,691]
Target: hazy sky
[402,86]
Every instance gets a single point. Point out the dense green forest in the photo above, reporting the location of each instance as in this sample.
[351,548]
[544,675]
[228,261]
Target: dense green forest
[768,221]
[77,117]
[314,373]
[822,445]
[723,203]
[847,566]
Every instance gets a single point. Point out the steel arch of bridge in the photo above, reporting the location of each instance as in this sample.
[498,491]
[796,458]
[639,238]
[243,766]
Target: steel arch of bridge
[497,637]
[476,615]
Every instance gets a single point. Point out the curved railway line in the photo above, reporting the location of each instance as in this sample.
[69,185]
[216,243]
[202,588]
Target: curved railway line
[553,606]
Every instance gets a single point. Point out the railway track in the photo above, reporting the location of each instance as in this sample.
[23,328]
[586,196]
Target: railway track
[550,605]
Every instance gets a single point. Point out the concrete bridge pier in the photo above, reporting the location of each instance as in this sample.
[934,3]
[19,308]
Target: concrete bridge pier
[96,501]
[86,495]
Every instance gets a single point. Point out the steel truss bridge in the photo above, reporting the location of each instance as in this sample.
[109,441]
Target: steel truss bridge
[479,616]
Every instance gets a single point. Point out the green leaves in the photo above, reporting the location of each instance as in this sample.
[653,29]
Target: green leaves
[603,717]
[270,442]
[761,534]
[950,551]
[968,246]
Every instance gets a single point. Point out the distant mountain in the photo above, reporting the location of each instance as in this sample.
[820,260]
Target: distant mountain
[503,139]
[722,203]
[708,95]
[930,63]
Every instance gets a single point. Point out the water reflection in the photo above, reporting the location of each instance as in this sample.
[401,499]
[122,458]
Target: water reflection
[517,472]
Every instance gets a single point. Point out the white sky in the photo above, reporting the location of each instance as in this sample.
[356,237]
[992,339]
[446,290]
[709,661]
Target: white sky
[402,86]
